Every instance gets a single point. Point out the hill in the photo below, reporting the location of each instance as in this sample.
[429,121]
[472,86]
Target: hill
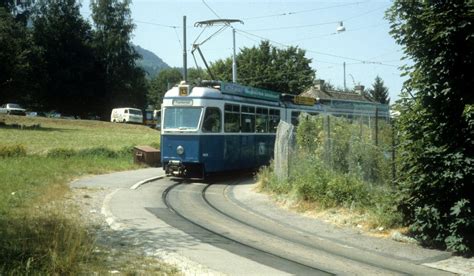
[151,63]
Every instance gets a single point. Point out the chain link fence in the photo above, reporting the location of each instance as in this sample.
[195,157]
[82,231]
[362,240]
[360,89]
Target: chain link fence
[357,145]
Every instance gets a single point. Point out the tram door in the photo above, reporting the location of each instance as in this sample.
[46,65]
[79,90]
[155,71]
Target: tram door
[247,142]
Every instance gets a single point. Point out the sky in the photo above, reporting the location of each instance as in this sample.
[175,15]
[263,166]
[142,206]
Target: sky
[365,46]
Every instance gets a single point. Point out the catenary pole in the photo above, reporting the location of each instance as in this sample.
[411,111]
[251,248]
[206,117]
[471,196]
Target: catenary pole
[185,61]
[234,62]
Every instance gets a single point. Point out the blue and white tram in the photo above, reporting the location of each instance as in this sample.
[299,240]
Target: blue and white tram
[221,126]
[216,128]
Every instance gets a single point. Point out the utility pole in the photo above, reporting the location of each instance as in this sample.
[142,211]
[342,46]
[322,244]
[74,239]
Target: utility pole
[344,66]
[234,63]
[185,61]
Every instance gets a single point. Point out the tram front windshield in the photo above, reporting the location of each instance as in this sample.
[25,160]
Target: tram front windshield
[182,118]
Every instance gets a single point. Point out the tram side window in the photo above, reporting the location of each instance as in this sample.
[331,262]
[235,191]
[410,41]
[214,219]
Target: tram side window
[261,120]
[294,117]
[212,120]
[274,120]
[248,118]
[231,118]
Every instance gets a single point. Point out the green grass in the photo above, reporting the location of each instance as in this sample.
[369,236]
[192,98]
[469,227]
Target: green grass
[40,233]
[39,135]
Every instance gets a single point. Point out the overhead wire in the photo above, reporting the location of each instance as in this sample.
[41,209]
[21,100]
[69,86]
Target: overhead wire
[248,35]
[335,33]
[157,24]
[303,11]
[320,53]
[294,27]
[214,12]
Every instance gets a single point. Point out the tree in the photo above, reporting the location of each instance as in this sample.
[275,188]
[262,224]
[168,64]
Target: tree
[222,69]
[14,66]
[379,92]
[437,120]
[65,67]
[196,74]
[20,10]
[282,70]
[165,80]
[123,79]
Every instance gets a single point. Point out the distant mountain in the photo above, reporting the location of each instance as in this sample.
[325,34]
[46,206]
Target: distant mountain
[151,63]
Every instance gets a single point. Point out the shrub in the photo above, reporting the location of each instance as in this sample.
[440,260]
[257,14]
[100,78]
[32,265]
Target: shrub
[437,229]
[98,152]
[337,165]
[61,153]
[12,151]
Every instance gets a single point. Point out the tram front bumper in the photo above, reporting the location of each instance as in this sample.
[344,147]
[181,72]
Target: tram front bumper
[176,168]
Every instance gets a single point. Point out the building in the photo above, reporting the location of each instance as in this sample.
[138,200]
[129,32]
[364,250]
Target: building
[345,102]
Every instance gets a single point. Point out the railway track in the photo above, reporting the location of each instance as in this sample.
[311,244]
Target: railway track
[209,207]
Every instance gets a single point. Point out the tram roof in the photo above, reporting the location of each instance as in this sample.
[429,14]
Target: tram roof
[226,90]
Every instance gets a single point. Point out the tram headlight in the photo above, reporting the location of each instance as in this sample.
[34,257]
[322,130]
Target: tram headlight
[180,150]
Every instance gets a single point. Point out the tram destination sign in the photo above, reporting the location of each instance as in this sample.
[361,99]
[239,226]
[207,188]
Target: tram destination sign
[247,91]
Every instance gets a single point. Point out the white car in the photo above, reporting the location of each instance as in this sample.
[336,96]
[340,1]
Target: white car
[126,115]
[12,109]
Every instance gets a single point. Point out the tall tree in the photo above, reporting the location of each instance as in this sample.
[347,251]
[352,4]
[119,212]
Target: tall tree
[282,70]
[196,74]
[437,120]
[123,79]
[14,66]
[20,10]
[165,80]
[379,92]
[66,65]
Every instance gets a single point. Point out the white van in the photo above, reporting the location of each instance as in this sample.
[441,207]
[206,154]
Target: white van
[126,115]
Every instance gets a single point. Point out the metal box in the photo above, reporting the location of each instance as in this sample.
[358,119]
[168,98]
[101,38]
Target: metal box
[146,155]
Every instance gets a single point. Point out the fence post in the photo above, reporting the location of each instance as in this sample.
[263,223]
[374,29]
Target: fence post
[376,126]
[394,169]
[329,148]
[283,151]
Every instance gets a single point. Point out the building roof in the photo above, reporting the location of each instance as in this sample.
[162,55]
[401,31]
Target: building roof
[319,93]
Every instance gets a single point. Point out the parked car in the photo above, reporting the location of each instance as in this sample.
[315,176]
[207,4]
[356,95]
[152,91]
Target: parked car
[12,109]
[35,114]
[126,115]
[54,114]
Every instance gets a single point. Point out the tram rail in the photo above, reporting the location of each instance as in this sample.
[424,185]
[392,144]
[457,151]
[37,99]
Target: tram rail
[286,235]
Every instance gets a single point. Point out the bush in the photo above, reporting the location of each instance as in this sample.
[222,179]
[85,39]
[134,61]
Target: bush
[61,153]
[98,152]
[90,152]
[337,165]
[12,151]
[347,146]
[436,229]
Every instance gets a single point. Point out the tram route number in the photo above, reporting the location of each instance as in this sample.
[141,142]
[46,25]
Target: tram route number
[184,90]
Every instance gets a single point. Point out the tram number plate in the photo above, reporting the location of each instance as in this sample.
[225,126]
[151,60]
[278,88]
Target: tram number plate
[184,90]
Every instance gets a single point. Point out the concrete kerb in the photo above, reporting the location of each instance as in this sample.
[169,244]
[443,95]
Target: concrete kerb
[151,179]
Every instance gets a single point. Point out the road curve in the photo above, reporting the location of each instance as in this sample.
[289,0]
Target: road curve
[222,227]
[209,206]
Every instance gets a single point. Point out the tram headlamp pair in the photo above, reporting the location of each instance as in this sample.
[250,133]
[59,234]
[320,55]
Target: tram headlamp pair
[180,150]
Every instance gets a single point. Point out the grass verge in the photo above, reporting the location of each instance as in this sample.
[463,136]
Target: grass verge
[39,232]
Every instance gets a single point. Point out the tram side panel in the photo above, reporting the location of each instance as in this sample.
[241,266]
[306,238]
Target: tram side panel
[213,153]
